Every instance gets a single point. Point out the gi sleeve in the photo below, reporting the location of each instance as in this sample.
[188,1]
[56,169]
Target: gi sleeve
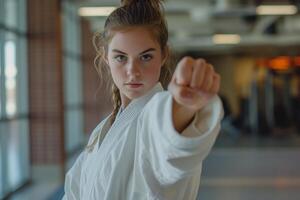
[172,155]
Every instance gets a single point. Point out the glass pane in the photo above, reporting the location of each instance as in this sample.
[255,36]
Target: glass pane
[1,163]
[17,153]
[1,14]
[11,14]
[10,76]
[74,130]
[1,72]
[3,158]
[13,164]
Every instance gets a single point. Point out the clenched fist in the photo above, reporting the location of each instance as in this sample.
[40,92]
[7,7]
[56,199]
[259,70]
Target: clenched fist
[194,83]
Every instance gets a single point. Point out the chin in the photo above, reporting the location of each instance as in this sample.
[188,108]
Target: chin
[136,95]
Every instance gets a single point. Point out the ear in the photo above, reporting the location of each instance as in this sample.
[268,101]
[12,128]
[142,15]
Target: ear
[165,54]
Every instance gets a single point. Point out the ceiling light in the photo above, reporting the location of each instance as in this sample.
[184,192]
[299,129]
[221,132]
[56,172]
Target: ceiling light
[276,10]
[95,11]
[226,39]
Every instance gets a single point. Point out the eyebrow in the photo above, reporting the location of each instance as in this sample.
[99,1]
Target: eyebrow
[150,49]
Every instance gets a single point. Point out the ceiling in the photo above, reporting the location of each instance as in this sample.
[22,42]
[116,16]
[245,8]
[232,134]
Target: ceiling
[192,23]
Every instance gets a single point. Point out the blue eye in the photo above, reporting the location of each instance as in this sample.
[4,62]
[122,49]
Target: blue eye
[146,57]
[120,58]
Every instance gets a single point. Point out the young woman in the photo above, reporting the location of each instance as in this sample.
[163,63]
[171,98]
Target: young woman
[153,144]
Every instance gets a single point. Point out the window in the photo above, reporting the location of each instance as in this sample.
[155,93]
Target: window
[10,71]
[14,136]
[74,132]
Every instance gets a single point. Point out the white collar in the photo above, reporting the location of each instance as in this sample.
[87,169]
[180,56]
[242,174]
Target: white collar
[136,105]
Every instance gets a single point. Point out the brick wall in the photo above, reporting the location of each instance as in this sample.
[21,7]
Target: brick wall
[46,95]
[45,82]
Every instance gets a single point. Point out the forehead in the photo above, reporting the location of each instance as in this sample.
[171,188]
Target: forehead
[133,40]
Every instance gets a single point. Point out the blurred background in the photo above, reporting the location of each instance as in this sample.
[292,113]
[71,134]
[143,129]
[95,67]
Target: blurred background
[51,100]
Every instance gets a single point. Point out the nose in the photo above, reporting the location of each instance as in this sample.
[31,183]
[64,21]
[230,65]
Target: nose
[133,69]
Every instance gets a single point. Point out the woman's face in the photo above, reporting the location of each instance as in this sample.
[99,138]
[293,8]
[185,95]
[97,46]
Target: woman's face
[135,61]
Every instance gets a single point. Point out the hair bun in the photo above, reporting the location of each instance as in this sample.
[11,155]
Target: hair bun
[126,2]
[153,3]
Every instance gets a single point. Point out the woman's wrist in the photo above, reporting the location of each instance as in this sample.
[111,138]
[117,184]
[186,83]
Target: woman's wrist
[182,116]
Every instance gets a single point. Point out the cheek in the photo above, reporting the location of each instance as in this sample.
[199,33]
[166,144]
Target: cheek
[116,73]
[153,71]
[115,67]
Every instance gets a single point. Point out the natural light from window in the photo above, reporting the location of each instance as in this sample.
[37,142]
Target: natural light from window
[10,76]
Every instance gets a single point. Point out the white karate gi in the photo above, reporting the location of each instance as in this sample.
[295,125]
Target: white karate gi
[142,156]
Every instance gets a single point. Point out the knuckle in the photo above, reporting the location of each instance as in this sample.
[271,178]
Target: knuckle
[187,59]
[197,67]
[201,61]
[210,67]
[209,70]
[199,64]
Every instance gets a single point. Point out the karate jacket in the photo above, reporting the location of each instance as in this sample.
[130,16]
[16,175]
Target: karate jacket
[141,156]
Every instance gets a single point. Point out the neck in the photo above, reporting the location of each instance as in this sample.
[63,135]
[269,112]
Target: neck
[125,101]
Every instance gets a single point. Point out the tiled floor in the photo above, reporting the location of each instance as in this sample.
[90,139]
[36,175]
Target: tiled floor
[46,181]
[38,191]
[249,193]
[256,170]
[248,173]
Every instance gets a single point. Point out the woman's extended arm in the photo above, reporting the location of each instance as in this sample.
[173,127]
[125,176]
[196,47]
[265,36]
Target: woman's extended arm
[193,85]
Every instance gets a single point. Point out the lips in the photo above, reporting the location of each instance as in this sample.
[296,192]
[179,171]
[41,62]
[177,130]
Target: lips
[134,85]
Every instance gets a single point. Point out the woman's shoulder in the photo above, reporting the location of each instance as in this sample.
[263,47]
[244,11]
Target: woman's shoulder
[156,106]
[159,96]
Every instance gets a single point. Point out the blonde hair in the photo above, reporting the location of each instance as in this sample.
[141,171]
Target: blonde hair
[132,13]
